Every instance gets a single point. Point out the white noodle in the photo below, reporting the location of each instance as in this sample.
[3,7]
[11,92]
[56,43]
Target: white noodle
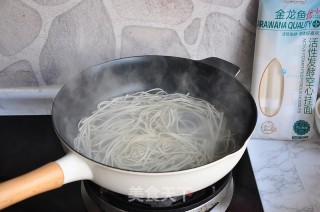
[154,131]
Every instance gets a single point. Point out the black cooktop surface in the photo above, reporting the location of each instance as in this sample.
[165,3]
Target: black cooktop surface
[28,142]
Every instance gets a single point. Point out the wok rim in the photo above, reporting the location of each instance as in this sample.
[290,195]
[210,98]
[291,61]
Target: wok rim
[137,173]
[243,145]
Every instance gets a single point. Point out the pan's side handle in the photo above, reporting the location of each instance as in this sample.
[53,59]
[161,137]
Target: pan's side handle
[48,177]
[74,168]
[221,64]
[45,178]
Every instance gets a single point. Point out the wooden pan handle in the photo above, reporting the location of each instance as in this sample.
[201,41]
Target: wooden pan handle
[45,178]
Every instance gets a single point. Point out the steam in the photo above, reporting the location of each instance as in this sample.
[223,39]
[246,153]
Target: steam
[80,96]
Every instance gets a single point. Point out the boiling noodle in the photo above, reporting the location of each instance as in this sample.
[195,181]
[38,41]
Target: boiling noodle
[152,131]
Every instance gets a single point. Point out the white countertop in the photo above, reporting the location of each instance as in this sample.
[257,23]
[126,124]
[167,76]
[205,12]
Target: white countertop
[287,174]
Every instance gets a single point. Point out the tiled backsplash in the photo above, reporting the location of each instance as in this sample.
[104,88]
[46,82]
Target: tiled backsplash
[45,42]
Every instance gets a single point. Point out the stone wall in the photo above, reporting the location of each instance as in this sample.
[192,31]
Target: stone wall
[45,42]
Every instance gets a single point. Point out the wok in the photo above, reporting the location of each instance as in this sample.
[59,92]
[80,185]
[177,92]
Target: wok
[214,83]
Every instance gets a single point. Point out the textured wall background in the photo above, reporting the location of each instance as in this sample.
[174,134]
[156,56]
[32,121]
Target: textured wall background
[45,42]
